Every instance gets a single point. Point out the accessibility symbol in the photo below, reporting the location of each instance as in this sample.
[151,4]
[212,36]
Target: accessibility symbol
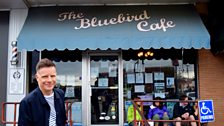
[206,111]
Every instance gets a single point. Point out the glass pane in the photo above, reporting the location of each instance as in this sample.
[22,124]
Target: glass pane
[69,79]
[148,79]
[104,84]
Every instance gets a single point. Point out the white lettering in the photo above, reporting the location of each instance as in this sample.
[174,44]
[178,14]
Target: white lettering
[69,16]
[113,21]
[120,18]
[144,16]
[207,117]
[84,23]
[141,26]
[94,22]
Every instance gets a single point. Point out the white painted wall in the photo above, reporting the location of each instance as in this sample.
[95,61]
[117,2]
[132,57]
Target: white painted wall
[17,19]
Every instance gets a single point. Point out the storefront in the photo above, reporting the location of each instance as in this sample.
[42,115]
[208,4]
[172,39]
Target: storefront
[107,54]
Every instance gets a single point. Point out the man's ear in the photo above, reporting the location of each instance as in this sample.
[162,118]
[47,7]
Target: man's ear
[36,76]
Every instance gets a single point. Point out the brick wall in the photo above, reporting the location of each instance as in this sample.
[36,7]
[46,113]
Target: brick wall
[211,82]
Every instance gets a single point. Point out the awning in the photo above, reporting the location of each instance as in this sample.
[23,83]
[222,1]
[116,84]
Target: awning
[113,27]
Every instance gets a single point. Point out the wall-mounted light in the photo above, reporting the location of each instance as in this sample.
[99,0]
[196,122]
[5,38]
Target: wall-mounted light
[14,59]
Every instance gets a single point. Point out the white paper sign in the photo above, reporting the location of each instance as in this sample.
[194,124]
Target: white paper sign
[16,81]
[103,82]
[170,82]
[158,76]
[130,78]
[139,78]
[139,88]
[148,78]
[113,70]
[69,92]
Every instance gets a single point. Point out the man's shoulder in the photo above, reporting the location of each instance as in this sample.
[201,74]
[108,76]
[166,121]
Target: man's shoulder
[31,96]
[60,91]
[177,105]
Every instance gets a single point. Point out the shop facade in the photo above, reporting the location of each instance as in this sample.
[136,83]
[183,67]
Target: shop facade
[107,54]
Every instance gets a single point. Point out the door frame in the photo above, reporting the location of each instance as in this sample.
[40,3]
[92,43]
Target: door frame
[86,100]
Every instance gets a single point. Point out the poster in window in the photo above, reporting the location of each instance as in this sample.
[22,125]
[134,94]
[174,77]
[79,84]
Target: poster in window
[159,86]
[139,88]
[103,82]
[130,78]
[158,76]
[70,92]
[139,78]
[169,82]
[113,70]
[148,78]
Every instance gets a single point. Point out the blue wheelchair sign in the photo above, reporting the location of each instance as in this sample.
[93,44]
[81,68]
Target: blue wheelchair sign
[206,111]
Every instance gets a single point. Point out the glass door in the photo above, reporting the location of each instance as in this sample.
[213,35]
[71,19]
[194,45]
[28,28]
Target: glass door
[104,90]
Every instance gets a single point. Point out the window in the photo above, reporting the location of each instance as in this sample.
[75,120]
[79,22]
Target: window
[166,73]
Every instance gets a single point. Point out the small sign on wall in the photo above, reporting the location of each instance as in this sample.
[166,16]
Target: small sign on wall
[16,81]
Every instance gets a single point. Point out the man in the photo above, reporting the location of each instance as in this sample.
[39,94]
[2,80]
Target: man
[44,106]
[130,114]
[183,111]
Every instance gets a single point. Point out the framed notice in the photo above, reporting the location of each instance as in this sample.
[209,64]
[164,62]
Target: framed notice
[103,82]
[139,78]
[70,92]
[148,78]
[159,85]
[158,76]
[113,70]
[16,81]
[130,78]
[139,88]
[169,82]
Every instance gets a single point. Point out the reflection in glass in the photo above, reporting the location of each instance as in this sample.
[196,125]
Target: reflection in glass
[69,79]
[104,84]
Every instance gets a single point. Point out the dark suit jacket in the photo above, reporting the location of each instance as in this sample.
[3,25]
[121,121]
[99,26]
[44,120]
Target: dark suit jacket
[35,111]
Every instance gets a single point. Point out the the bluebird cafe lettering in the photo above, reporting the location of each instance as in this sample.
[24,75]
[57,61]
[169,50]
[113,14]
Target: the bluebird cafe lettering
[143,20]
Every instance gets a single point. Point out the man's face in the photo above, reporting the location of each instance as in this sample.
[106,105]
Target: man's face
[46,78]
[138,103]
[185,103]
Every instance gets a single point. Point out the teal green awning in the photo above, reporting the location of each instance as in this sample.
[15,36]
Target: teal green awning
[113,27]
